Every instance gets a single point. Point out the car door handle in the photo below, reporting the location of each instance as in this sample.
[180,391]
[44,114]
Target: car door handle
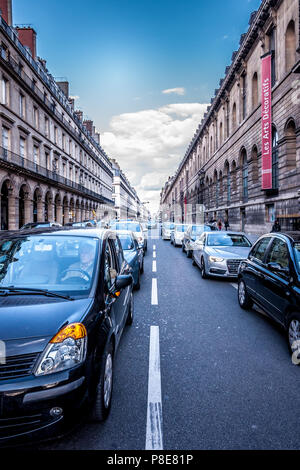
[261,276]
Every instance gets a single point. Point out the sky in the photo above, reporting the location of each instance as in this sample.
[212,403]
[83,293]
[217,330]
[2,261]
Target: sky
[143,70]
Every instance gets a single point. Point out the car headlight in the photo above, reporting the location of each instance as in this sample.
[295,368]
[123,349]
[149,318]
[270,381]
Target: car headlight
[65,350]
[214,259]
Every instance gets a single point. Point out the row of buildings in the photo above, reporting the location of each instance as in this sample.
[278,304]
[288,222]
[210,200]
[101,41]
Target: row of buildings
[243,163]
[52,166]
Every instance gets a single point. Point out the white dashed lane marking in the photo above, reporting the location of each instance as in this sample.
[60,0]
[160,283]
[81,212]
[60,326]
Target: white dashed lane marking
[154,296]
[154,266]
[154,435]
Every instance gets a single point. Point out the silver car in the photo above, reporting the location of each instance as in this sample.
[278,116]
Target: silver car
[177,234]
[220,253]
[167,228]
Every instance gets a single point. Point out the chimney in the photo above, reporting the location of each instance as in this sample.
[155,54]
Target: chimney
[79,115]
[72,103]
[6,11]
[89,126]
[97,137]
[27,37]
[64,86]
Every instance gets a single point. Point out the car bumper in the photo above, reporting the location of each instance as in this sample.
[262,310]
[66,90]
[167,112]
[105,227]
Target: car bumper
[220,270]
[27,406]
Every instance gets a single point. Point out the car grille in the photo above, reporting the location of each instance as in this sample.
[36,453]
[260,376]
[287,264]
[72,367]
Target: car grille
[13,426]
[18,366]
[233,265]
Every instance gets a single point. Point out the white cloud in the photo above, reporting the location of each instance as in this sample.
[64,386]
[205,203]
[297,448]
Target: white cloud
[75,97]
[149,144]
[176,91]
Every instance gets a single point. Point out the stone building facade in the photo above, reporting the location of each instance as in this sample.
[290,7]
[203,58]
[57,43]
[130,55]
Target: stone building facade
[127,202]
[222,167]
[52,167]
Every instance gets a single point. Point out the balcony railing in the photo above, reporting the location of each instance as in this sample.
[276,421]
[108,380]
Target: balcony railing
[38,171]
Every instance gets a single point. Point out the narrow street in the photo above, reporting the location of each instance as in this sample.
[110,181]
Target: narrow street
[227,380]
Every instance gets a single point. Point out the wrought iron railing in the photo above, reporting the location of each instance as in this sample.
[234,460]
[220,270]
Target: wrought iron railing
[21,162]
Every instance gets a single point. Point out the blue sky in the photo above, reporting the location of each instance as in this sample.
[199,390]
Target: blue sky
[119,56]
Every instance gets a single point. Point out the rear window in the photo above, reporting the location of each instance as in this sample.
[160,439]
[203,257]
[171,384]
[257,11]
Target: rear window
[169,226]
[219,239]
[297,255]
[126,242]
[199,229]
[181,228]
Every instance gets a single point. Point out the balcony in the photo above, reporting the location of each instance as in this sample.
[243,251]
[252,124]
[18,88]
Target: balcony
[14,161]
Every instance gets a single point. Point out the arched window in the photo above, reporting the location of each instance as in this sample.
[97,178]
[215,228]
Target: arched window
[254,164]
[274,158]
[290,135]
[290,46]
[233,116]
[244,174]
[221,133]
[217,187]
[254,90]
[228,182]
[211,145]
[233,174]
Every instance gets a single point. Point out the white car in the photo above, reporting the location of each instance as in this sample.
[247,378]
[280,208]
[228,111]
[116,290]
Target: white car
[178,234]
[167,228]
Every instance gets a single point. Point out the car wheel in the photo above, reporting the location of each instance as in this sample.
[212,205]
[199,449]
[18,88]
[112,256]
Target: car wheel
[142,267]
[104,387]
[203,269]
[130,315]
[188,253]
[137,286]
[244,298]
[193,260]
[182,247]
[293,333]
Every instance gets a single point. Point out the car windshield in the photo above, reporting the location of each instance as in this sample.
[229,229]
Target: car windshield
[61,264]
[126,242]
[199,229]
[126,226]
[297,255]
[169,226]
[181,228]
[222,239]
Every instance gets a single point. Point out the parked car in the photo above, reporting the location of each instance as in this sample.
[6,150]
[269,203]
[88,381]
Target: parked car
[270,277]
[152,224]
[177,234]
[220,253]
[133,226]
[79,224]
[133,254]
[191,234]
[166,230]
[70,292]
[40,225]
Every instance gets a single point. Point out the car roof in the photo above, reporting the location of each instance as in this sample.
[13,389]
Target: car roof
[64,231]
[293,236]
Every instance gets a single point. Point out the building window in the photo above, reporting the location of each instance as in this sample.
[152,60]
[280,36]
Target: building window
[254,90]
[244,96]
[227,118]
[5,138]
[272,49]
[36,117]
[274,158]
[233,116]
[290,46]
[270,213]
[47,160]
[22,147]
[5,91]
[221,133]
[245,175]
[228,182]
[47,127]
[55,134]
[22,105]
[36,155]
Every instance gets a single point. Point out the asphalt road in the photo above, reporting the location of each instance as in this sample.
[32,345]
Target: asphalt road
[227,380]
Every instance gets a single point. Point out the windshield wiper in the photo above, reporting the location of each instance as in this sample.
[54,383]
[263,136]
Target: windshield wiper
[29,290]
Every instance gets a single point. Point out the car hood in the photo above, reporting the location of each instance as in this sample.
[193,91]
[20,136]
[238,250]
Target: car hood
[229,252]
[27,326]
[179,235]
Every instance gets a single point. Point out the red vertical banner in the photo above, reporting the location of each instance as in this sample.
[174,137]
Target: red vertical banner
[266,121]
[185,202]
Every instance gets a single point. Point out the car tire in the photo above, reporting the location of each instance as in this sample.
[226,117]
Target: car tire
[130,315]
[182,247]
[193,260]
[188,253]
[244,298]
[102,402]
[203,269]
[293,327]
[142,267]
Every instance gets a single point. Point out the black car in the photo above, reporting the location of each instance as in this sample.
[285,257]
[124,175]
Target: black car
[270,277]
[65,297]
[31,225]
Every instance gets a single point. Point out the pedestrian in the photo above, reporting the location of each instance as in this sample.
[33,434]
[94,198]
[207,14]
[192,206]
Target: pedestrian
[220,224]
[226,225]
[276,227]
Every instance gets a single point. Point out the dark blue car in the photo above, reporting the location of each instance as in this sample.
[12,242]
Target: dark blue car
[133,254]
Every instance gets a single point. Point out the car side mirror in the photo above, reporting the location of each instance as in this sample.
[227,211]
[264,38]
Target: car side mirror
[122,281]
